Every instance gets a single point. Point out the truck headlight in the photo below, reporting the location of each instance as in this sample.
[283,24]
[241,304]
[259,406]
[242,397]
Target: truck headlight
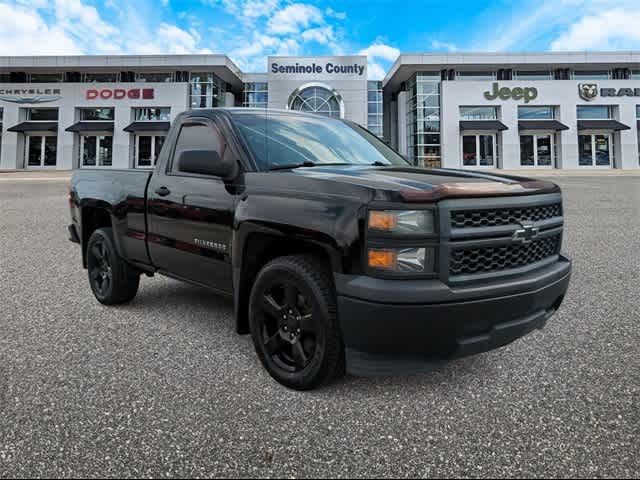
[402,260]
[402,222]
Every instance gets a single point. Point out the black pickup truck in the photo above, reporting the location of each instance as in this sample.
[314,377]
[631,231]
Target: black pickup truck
[338,254]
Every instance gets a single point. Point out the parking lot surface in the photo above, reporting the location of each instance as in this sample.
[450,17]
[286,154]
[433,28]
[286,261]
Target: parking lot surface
[164,387]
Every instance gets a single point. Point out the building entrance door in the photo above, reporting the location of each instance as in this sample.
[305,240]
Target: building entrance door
[595,150]
[537,150]
[479,150]
[42,151]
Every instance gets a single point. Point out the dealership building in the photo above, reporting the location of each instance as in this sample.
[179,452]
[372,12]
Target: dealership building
[456,110]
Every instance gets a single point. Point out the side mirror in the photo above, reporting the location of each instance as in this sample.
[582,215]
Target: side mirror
[206,162]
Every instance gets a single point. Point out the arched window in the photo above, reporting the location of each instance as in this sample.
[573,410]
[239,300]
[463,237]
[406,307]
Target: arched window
[317,98]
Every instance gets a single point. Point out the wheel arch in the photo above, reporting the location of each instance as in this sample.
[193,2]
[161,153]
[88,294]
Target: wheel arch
[93,218]
[258,248]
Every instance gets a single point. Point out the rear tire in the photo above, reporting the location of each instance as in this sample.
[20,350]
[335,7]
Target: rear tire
[294,322]
[112,280]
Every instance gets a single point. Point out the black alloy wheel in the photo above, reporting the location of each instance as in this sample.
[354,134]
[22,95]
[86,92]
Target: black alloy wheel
[294,324]
[100,271]
[290,332]
[112,280]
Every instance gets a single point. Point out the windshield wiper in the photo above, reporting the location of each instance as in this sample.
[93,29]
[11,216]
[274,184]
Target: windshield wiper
[378,163]
[306,163]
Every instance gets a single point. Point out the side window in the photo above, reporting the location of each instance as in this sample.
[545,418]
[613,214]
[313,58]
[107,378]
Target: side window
[197,137]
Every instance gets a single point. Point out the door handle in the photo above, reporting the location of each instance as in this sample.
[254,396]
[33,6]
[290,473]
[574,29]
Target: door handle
[163,191]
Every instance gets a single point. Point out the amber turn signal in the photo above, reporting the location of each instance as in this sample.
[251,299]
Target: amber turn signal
[383,259]
[383,220]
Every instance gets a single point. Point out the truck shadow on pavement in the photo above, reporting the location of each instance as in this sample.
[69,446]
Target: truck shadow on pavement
[213,316]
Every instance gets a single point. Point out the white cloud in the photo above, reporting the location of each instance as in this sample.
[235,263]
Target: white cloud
[322,35]
[375,52]
[293,18]
[259,8]
[446,46]
[380,50]
[24,32]
[613,29]
[174,40]
[332,13]
[73,27]
[375,71]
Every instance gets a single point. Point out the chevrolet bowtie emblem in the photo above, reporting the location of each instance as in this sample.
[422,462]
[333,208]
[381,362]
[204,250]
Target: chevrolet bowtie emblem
[526,234]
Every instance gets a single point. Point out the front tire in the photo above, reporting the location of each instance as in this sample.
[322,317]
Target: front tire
[294,322]
[113,281]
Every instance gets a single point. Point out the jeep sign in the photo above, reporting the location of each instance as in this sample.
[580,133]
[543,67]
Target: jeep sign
[517,93]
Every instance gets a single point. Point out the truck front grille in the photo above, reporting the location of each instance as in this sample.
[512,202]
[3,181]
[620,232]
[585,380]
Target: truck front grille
[504,216]
[475,260]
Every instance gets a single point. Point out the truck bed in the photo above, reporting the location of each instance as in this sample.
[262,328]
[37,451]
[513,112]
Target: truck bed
[123,194]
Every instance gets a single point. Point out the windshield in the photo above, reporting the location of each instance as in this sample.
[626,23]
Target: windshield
[280,139]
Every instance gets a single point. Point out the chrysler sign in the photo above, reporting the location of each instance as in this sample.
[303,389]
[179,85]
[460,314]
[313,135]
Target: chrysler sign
[121,94]
[589,91]
[30,95]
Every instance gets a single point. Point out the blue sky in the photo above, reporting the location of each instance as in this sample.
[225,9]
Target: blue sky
[250,30]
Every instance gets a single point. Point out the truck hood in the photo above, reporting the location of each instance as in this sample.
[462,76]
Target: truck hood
[427,185]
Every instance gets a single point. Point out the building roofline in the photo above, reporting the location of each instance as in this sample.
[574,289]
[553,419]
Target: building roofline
[220,62]
[452,59]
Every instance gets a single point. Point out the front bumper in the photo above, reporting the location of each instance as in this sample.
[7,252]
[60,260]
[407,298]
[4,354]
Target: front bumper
[393,326]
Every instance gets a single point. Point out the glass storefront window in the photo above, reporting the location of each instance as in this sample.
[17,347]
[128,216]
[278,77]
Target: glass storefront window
[148,149]
[536,113]
[42,114]
[255,95]
[527,151]
[537,150]
[595,150]
[595,112]
[96,150]
[97,114]
[100,77]
[46,77]
[469,150]
[152,114]
[476,76]
[478,150]
[591,74]
[478,113]
[206,90]
[544,150]
[42,151]
[317,99]
[423,119]
[155,77]
[533,75]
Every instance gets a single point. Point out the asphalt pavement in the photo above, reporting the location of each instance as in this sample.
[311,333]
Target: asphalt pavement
[163,387]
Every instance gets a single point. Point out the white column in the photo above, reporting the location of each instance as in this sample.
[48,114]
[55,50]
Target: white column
[510,156]
[393,123]
[450,134]
[627,150]
[122,140]
[9,151]
[568,139]
[402,123]
[229,99]
[67,152]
